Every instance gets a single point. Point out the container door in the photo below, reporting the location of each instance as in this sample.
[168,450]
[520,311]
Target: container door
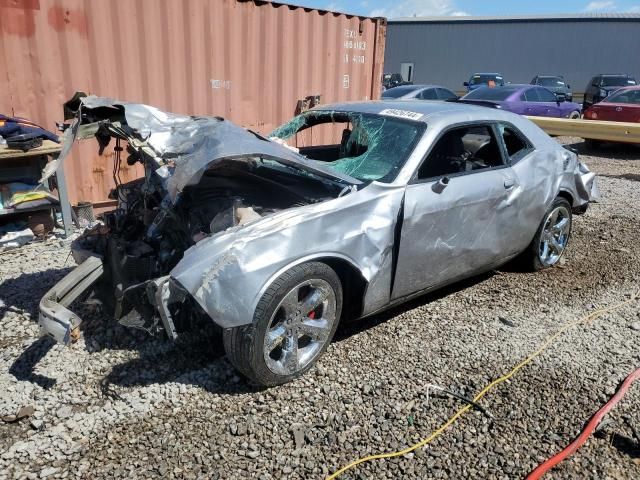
[406,70]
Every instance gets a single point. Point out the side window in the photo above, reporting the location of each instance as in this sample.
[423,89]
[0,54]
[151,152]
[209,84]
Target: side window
[428,94]
[546,95]
[515,143]
[462,150]
[531,95]
[444,94]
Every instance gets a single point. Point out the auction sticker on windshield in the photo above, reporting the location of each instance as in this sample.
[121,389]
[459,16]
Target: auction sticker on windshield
[394,112]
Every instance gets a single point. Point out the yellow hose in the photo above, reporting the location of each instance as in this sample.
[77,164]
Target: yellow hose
[587,318]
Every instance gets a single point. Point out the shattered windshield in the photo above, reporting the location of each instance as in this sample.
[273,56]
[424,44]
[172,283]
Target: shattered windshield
[367,147]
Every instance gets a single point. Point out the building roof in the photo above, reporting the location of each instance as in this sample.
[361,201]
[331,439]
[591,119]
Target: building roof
[569,17]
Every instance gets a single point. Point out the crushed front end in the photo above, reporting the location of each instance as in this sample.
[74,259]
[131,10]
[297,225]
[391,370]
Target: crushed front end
[202,176]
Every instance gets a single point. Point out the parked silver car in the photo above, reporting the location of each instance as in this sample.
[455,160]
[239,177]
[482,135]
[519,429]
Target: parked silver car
[342,212]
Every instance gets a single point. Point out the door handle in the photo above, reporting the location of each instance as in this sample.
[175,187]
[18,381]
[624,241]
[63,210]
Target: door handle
[509,182]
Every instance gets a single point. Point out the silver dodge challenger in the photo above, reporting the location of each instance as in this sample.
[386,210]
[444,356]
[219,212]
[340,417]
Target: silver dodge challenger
[342,212]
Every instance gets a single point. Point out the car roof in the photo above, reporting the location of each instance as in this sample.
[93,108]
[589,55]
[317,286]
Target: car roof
[549,76]
[417,87]
[427,109]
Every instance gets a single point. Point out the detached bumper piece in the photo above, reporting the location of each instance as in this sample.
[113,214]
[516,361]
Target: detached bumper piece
[55,319]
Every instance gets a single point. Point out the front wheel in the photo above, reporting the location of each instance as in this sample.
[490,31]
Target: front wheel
[293,324]
[552,237]
[574,115]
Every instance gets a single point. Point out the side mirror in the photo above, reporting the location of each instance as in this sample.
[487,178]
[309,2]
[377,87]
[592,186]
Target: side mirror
[595,84]
[440,185]
[568,87]
[466,84]
[561,97]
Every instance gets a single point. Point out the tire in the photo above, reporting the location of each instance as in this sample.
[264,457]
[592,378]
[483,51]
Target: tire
[536,257]
[265,350]
[574,115]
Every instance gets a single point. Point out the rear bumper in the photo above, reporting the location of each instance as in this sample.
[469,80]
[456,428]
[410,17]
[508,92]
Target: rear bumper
[55,319]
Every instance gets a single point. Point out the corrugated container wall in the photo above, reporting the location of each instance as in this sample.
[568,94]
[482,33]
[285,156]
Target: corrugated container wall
[447,52]
[248,61]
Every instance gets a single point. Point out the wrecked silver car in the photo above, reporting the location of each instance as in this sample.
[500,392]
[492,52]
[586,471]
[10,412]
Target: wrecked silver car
[338,214]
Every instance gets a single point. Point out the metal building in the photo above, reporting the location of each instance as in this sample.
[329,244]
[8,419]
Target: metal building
[447,50]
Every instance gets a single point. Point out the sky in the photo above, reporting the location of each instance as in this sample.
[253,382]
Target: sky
[409,8]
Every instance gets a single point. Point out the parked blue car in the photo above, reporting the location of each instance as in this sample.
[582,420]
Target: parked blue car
[478,80]
[525,100]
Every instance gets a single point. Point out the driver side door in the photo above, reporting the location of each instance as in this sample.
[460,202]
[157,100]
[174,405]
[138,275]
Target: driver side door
[458,211]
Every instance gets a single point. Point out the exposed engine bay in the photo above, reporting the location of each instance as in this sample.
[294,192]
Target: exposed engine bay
[204,178]
[146,236]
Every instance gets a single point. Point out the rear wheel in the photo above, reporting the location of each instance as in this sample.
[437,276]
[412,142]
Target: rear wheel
[574,115]
[293,324]
[552,237]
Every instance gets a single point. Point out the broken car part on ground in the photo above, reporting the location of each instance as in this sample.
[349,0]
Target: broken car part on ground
[277,241]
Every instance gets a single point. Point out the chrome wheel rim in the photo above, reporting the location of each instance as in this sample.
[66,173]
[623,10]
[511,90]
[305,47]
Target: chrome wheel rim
[555,235]
[300,327]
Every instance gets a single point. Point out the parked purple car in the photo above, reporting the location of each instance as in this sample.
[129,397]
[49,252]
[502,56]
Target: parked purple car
[525,100]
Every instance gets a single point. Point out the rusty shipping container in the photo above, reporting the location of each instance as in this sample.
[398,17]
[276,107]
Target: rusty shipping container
[253,62]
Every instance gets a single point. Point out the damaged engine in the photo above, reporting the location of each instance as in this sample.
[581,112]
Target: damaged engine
[147,235]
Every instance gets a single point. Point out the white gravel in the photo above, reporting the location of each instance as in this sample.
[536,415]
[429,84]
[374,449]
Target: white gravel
[118,403]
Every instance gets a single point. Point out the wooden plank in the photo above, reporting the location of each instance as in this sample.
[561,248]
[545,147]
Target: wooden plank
[47,148]
[592,129]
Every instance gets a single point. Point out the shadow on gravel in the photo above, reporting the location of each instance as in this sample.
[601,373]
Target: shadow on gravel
[354,327]
[23,293]
[611,151]
[634,177]
[160,360]
[625,445]
[23,366]
[197,359]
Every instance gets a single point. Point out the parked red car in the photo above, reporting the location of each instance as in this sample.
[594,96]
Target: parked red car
[623,105]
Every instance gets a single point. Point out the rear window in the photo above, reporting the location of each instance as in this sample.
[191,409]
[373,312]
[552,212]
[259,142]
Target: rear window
[624,96]
[397,92]
[492,94]
[617,81]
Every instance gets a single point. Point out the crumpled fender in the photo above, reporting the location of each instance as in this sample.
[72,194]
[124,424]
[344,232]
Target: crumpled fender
[227,273]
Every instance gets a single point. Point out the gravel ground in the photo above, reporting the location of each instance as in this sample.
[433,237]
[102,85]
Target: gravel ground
[118,403]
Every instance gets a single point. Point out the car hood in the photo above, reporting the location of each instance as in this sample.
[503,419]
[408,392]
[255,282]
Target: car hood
[183,146]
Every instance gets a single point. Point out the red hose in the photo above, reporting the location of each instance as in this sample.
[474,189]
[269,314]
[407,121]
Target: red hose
[588,430]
